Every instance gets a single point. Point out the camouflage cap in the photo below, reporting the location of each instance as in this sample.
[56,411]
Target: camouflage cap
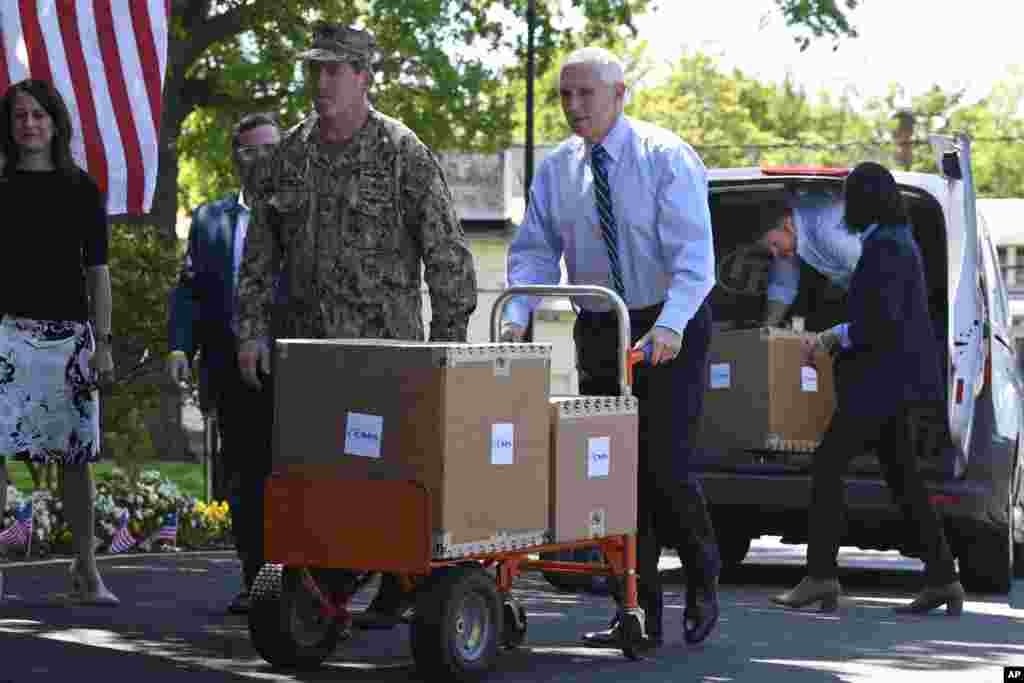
[334,43]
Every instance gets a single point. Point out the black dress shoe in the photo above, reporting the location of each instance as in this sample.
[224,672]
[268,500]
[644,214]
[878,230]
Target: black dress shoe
[611,636]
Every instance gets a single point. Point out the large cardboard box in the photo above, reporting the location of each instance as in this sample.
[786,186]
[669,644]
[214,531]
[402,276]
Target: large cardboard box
[594,442]
[470,422]
[759,396]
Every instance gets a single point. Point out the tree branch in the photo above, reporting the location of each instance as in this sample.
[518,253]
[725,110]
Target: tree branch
[214,30]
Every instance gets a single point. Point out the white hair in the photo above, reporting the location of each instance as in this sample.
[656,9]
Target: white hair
[606,64]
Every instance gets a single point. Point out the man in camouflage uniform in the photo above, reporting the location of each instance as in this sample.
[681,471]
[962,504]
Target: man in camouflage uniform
[349,207]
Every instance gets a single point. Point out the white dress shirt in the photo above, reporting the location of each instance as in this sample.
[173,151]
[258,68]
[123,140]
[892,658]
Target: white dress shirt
[659,193]
[822,241]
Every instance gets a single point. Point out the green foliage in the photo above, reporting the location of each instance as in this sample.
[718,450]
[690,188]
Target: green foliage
[819,18]
[437,73]
[142,270]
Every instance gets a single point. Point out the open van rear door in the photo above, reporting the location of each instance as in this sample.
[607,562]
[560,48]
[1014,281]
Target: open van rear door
[967,324]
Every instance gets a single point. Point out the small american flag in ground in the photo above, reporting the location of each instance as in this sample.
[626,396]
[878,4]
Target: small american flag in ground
[168,531]
[19,533]
[122,539]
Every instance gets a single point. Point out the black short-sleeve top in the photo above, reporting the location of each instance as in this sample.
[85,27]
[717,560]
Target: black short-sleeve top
[55,227]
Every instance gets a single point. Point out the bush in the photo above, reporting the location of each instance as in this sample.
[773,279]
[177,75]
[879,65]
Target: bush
[146,498]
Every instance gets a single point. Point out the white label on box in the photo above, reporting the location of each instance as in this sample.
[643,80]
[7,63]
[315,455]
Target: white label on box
[502,443]
[721,376]
[363,434]
[808,378]
[599,453]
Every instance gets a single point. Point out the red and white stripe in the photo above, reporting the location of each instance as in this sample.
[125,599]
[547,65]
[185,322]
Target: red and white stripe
[108,59]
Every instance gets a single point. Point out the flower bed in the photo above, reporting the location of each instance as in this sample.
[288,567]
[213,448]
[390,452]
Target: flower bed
[147,501]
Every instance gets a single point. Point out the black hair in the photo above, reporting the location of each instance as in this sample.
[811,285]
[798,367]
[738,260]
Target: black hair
[871,196]
[250,121]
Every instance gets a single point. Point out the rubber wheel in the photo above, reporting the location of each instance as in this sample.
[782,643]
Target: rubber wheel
[458,625]
[286,625]
[514,632]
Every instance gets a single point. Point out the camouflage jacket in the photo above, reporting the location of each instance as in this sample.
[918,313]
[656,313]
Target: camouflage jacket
[335,244]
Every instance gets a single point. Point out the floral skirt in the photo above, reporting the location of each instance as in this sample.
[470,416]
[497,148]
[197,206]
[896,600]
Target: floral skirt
[49,406]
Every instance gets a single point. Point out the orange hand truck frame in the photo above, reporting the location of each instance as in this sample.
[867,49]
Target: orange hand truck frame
[464,610]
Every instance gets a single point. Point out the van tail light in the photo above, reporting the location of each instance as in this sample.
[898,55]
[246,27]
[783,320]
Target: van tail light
[833,171]
[959,390]
[942,499]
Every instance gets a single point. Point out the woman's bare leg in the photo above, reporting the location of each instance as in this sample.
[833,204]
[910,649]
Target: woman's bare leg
[80,509]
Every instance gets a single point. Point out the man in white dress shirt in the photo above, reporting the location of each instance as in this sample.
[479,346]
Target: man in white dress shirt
[626,204]
[808,241]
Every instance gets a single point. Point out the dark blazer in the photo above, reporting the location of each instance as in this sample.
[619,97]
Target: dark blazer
[895,356]
[203,302]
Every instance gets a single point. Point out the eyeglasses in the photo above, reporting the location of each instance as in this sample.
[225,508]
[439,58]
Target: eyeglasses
[253,152]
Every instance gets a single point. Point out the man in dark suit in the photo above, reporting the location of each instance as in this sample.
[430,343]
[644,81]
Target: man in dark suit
[200,319]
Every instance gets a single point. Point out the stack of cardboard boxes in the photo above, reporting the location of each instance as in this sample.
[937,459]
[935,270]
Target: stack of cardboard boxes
[506,465]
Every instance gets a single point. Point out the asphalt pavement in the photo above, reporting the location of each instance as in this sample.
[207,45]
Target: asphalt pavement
[172,624]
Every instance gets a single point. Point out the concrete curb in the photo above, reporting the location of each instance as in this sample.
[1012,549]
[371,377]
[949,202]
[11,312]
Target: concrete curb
[4,566]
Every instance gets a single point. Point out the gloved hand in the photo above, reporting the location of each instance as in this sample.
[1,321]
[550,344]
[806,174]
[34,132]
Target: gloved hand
[511,332]
[177,367]
[253,357]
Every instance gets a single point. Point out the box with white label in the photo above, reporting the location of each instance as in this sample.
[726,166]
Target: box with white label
[760,396]
[594,450]
[468,421]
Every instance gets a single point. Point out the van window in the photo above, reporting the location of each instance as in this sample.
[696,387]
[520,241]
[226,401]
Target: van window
[998,301]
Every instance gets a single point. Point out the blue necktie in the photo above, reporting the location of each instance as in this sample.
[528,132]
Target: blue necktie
[609,230]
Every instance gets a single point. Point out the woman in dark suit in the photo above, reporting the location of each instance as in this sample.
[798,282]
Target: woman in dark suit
[890,371]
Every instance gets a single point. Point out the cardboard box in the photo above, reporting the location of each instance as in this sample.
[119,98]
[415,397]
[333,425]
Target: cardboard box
[594,450]
[760,397]
[468,421]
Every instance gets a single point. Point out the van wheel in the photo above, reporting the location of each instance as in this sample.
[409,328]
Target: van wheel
[986,559]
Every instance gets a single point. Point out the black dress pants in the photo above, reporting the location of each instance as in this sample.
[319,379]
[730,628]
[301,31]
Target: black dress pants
[849,436]
[671,509]
[246,417]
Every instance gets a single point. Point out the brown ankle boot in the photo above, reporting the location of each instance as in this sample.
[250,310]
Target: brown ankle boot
[951,595]
[808,591]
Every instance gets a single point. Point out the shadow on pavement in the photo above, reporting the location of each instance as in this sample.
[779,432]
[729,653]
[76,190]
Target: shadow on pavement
[172,623]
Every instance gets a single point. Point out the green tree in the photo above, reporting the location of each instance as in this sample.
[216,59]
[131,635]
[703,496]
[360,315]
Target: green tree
[227,57]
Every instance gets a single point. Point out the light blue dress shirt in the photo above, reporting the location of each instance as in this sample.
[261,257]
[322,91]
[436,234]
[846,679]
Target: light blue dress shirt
[659,191]
[822,241]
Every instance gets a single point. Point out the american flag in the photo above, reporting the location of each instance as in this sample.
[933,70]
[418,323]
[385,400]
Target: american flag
[168,530]
[19,533]
[108,59]
[122,539]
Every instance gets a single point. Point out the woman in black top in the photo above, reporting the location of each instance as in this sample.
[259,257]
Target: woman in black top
[51,357]
[889,376]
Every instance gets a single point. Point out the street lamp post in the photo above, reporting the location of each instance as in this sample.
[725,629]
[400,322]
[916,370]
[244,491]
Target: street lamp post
[531,18]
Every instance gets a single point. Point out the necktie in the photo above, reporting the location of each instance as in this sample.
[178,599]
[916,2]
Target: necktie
[609,230]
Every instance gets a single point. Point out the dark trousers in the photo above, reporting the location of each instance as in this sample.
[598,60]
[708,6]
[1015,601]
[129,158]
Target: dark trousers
[848,436]
[246,419]
[671,509]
